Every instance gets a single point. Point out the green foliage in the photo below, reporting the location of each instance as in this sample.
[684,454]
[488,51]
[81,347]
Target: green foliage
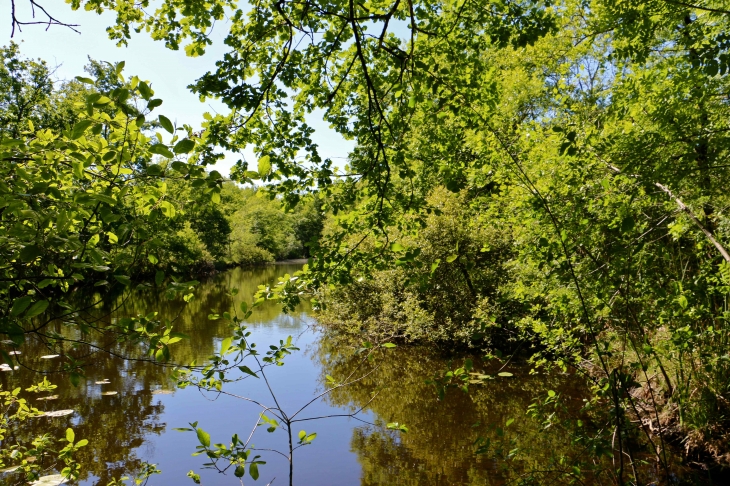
[261,229]
[82,206]
[575,132]
[442,285]
[590,139]
[29,459]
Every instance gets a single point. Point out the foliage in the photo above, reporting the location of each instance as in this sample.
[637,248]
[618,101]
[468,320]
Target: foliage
[28,460]
[262,230]
[592,135]
[444,284]
[80,205]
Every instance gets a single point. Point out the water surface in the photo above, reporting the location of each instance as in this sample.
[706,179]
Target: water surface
[137,423]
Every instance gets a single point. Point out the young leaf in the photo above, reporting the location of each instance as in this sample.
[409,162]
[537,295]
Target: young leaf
[203,437]
[247,370]
[225,345]
[264,166]
[30,253]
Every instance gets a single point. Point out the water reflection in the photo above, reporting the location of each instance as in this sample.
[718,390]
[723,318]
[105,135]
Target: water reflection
[122,429]
[439,447]
[136,424]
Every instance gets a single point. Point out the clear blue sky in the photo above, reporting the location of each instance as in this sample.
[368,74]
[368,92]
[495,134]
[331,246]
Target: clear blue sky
[169,71]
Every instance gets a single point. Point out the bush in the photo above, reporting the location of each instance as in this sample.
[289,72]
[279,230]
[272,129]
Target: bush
[452,303]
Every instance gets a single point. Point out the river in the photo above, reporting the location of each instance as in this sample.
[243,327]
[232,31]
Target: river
[129,410]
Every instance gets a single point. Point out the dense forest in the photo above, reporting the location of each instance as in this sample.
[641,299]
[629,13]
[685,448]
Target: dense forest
[531,180]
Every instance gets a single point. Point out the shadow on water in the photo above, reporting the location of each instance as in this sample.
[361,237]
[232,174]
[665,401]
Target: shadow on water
[137,423]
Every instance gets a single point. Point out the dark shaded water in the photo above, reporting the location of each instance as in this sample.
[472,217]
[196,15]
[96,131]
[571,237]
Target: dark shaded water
[136,424]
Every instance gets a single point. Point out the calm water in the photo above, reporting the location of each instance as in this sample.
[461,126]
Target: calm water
[136,424]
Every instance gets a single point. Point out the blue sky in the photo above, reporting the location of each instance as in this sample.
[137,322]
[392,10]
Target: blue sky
[169,71]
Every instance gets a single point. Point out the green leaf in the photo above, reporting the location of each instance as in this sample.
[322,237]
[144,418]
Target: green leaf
[123,279]
[159,277]
[203,437]
[85,80]
[144,90]
[395,247]
[105,199]
[225,345]
[435,265]
[248,371]
[302,434]
[264,166]
[37,308]
[70,436]
[161,149]
[240,471]
[389,345]
[184,146]
[253,470]
[505,374]
[30,253]
[166,123]
[19,305]
[80,128]
[152,104]
[682,300]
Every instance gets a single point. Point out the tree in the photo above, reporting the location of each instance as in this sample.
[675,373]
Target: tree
[79,205]
[594,131]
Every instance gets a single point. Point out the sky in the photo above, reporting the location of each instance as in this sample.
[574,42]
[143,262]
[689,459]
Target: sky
[170,72]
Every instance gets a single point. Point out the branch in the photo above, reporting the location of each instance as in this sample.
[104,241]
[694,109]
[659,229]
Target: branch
[50,19]
[691,215]
[684,208]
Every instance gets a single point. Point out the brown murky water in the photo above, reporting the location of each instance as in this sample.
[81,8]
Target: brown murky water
[135,422]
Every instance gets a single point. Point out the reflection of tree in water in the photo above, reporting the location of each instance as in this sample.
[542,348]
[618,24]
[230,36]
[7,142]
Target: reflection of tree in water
[213,295]
[114,425]
[439,447]
[117,426]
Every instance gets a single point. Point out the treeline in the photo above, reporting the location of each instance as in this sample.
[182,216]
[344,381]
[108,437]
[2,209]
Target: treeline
[247,227]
